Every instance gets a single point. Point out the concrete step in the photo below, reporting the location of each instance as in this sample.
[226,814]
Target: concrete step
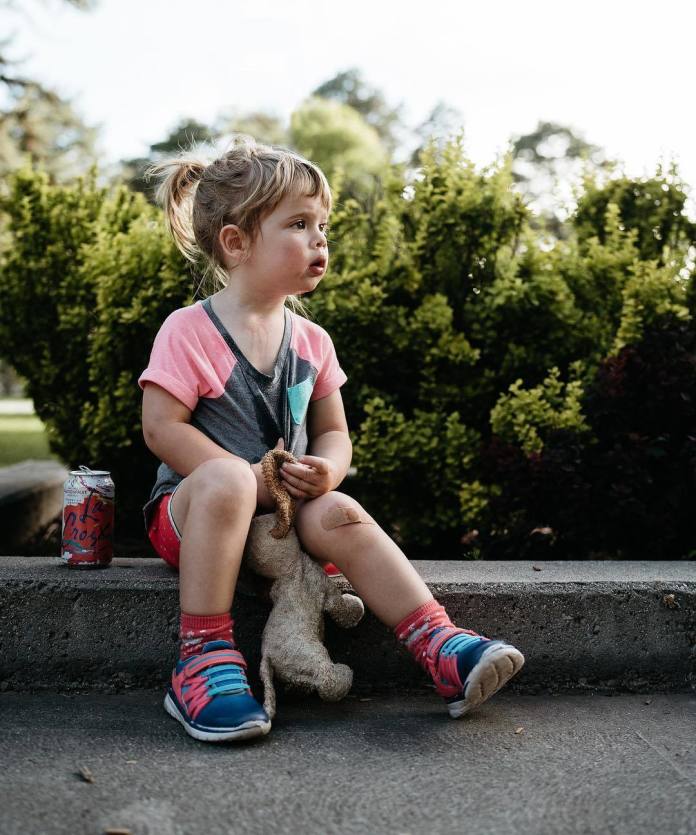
[31,498]
[607,624]
[569,764]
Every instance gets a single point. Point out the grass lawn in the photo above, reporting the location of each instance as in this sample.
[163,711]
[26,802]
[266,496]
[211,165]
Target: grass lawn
[22,436]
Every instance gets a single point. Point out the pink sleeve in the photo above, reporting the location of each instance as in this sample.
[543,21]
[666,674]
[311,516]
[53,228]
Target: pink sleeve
[331,376]
[188,360]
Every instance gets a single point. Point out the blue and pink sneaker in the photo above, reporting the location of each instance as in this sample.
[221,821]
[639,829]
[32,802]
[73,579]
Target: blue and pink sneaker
[468,668]
[210,696]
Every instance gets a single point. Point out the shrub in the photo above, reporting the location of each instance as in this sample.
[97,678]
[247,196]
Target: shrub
[454,325]
[85,285]
[479,363]
[653,208]
[627,491]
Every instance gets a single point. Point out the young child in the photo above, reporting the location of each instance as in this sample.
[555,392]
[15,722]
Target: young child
[236,374]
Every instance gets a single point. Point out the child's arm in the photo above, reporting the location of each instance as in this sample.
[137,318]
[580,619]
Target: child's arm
[170,436]
[327,430]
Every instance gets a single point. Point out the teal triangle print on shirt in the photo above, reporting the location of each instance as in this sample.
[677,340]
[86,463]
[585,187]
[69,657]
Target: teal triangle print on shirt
[298,397]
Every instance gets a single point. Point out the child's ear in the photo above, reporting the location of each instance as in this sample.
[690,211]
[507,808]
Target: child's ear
[232,242]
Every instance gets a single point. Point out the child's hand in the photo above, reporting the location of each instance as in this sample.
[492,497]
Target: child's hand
[312,477]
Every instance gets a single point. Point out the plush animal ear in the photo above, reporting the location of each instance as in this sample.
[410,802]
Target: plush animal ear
[285,503]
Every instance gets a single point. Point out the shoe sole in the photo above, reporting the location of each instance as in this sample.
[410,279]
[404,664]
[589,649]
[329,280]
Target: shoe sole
[245,731]
[495,667]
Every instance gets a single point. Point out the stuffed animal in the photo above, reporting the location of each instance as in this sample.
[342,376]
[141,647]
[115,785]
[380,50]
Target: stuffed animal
[292,646]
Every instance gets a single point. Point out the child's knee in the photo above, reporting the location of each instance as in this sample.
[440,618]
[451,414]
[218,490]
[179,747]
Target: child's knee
[328,519]
[341,512]
[221,482]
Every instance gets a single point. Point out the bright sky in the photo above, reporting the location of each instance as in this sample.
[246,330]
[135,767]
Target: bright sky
[619,73]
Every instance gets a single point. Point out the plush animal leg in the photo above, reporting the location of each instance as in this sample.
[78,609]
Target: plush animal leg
[269,694]
[345,609]
[333,681]
[308,672]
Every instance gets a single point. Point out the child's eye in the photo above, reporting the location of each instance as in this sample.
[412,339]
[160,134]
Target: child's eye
[301,225]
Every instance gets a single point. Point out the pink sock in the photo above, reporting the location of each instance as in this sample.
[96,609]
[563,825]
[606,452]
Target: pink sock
[416,629]
[196,630]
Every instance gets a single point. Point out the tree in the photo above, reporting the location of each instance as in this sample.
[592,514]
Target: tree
[11,384]
[184,134]
[440,125]
[37,124]
[341,142]
[348,87]
[264,127]
[546,161]
[43,128]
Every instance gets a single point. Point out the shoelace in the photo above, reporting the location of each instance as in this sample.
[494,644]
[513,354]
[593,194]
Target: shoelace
[443,659]
[217,673]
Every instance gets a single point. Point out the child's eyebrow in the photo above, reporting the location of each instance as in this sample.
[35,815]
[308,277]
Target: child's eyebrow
[307,213]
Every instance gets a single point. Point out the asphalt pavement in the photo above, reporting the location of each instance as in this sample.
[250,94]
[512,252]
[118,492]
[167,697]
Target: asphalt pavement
[555,763]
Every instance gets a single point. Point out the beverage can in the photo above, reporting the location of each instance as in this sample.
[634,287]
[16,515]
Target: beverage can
[87,539]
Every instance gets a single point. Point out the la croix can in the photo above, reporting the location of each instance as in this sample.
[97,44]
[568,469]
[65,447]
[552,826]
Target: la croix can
[87,539]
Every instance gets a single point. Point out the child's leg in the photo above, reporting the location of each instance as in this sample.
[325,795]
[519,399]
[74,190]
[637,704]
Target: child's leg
[213,509]
[209,694]
[376,567]
[466,668]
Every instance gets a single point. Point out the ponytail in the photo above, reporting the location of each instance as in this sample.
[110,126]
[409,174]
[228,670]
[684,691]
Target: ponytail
[175,193]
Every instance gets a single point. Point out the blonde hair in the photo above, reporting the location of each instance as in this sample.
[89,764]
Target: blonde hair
[241,187]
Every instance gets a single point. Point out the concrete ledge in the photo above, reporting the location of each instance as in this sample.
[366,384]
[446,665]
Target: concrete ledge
[608,624]
[31,496]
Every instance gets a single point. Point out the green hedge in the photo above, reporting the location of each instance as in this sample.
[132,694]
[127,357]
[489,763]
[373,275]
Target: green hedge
[89,277]
[457,325]
[459,332]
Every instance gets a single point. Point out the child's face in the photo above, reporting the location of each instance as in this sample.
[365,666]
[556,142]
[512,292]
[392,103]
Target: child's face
[290,252]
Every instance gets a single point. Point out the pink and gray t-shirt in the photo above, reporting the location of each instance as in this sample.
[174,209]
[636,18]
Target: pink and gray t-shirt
[243,410]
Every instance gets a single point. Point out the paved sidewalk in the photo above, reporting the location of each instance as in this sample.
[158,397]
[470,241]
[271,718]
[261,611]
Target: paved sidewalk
[581,764]
[16,406]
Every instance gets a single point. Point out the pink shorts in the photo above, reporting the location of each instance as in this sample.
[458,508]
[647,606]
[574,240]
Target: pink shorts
[163,533]
[166,538]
